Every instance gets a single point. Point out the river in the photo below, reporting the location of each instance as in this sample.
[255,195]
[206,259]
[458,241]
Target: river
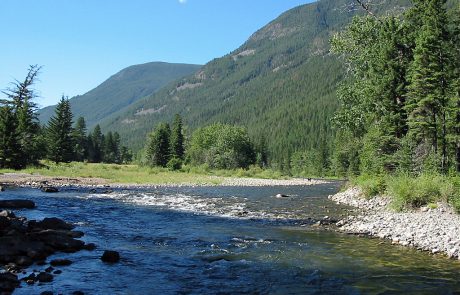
[227,240]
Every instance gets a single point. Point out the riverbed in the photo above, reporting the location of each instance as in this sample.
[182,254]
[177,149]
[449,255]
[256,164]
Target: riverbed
[229,240]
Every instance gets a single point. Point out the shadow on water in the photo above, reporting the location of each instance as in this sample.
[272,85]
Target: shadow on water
[195,241]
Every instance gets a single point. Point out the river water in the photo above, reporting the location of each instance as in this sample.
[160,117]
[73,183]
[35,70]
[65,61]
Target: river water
[227,240]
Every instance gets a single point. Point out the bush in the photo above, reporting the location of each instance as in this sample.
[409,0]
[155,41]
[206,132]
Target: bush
[371,185]
[424,189]
[174,164]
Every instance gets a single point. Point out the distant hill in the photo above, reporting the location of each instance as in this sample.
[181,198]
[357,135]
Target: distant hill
[122,89]
[280,84]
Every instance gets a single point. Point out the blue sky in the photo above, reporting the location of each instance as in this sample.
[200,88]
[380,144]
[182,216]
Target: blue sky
[80,43]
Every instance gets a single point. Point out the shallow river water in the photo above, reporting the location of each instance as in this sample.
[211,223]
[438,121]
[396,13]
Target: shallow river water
[227,240]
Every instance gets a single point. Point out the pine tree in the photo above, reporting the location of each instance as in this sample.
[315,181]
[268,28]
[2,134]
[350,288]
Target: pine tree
[177,138]
[59,133]
[157,150]
[96,142]
[427,100]
[10,148]
[80,140]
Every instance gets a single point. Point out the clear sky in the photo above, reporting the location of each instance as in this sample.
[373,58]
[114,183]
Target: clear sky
[80,43]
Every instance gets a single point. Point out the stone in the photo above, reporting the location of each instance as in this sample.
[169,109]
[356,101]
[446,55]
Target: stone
[7,213]
[44,277]
[8,282]
[49,189]
[2,188]
[57,272]
[51,223]
[110,256]
[89,246]
[60,262]
[47,293]
[78,293]
[17,204]
[281,196]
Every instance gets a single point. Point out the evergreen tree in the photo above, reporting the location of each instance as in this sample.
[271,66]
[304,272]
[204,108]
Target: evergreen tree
[10,149]
[80,140]
[59,133]
[96,143]
[177,138]
[157,150]
[427,97]
[20,98]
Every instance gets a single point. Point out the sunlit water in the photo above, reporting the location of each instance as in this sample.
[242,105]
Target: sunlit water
[227,240]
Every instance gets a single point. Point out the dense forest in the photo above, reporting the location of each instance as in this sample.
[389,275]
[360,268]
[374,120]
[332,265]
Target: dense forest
[24,142]
[400,103]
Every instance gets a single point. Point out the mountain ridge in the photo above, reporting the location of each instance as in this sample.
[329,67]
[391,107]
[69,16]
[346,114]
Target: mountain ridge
[122,89]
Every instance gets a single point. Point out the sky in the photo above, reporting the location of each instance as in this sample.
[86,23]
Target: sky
[81,43]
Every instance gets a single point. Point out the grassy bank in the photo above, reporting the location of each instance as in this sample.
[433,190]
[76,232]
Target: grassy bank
[134,174]
[409,192]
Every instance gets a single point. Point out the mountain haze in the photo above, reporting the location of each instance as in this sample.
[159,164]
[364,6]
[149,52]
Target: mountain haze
[122,89]
[280,84]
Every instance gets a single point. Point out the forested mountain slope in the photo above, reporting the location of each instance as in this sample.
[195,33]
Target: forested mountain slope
[122,89]
[280,84]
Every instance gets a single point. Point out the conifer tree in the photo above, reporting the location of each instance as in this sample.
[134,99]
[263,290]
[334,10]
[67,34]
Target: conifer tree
[427,97]
[157,150]
[59,133]
[80,140]
[96,142]
[10,149]
[177,138]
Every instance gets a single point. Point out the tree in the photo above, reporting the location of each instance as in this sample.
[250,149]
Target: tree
[10,149]
[177,138]
[59,133]
[222,146]
[427,99]
[95,142]
[157,149]
[80,140]
[20,98]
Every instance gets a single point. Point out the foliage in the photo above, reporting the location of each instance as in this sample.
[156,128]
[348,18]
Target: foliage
[59,133]
[408,191]
[371,185]
[222,147]
[10,149]
[157,149]
[177,139]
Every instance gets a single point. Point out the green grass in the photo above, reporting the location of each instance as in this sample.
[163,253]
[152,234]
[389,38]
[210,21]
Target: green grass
[134,174]
[410,192]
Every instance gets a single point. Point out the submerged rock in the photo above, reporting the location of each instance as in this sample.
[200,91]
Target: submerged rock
[49,189]
[110,256]
[44,277]
[60,262]
[17,204]
[282,196]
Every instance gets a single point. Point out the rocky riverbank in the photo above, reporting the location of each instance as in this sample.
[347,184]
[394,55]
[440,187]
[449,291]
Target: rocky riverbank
[436,230]
[24,179]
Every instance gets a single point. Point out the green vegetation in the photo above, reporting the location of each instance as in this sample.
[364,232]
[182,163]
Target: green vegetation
[121,90]
[399,120]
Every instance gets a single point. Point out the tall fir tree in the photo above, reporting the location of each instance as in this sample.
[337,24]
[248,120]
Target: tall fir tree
[59,133]
[427,97]
[10,149]
[177,138]
[80,140]
[157,150]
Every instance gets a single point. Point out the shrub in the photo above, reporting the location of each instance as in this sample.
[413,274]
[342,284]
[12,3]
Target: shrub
[371,185]
[174,164]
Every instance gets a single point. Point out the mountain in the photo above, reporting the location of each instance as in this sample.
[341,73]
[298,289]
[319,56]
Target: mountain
[280,84]
[121,90]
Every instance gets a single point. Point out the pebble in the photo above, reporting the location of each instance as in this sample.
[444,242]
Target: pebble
[433,230]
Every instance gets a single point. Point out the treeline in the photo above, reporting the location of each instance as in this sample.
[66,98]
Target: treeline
[218,146]
[400,104]
[24,142]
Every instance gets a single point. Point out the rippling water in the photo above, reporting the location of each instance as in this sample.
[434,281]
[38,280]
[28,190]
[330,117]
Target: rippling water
[228,240]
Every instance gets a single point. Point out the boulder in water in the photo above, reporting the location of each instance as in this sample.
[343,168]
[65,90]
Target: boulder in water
[49,189]
[110,256]
[282,196]
[17,204]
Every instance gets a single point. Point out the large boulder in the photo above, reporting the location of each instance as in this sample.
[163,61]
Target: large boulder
[17,204]
[51,223]
[8,282]
[49,189]
[110,256]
